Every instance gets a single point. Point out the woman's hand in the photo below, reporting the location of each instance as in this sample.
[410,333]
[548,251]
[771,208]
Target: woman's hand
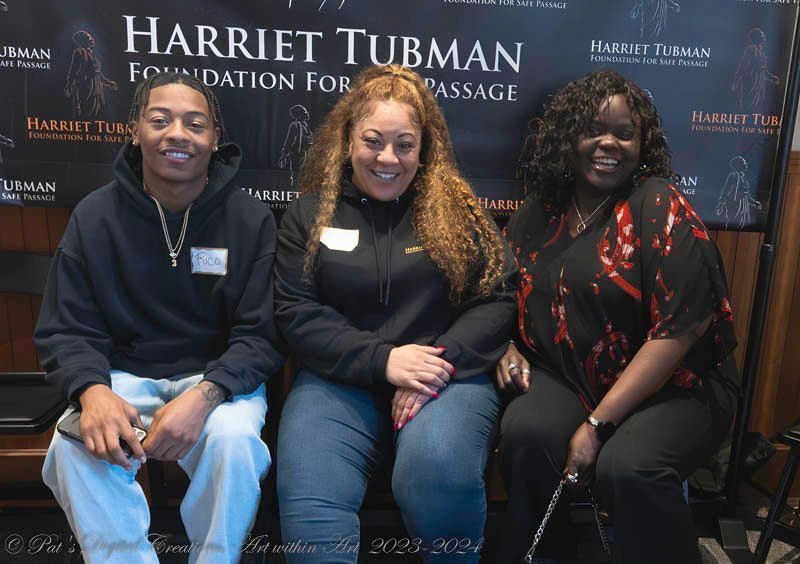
[419,368]
[406,404]
[584,447]
[513,371]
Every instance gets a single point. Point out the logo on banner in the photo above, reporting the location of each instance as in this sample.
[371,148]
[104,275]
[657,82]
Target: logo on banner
[297,140]
[658,54]
[14,190]
[499,207]
[24,57]
[86,85]
[735,203]
[75,131]
[651,16]
[753,123]
[753,82]
[5,143]
[275,199]
[289,48]
[321,3]
[544,4]
[688,184]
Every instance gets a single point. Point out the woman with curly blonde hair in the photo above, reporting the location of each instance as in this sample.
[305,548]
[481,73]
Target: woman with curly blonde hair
[395,293]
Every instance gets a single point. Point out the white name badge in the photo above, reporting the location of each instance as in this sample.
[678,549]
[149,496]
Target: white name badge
[206,260]
[339,239]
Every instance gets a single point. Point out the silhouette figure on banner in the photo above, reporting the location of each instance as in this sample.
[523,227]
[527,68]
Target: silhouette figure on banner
[322,4]
[735,201]
[752,77]
[86,85]
[5,143]
[298,138]
[652,16]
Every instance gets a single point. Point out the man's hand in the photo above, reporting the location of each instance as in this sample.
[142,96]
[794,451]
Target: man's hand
[177,426]
[105,419]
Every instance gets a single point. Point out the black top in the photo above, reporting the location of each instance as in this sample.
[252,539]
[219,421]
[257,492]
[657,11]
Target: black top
[375,288]
[113,300]
[646,270]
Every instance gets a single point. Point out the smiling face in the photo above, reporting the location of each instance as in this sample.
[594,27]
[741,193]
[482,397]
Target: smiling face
[607,153]
[384,148]
[176,133]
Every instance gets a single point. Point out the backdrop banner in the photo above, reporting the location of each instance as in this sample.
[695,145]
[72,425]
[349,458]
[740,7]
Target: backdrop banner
[716,69]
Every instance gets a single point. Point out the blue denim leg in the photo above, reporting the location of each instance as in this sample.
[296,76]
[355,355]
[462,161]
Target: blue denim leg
[438,470]
[329,442]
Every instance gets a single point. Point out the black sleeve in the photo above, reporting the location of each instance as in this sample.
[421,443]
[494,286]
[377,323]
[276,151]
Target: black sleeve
[252,356]
[479,336]
[322,338]
[72,336]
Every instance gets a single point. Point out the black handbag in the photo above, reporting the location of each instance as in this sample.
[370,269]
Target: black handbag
[551,507]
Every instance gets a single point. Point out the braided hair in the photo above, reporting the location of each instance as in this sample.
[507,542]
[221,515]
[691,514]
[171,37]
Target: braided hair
[142,95]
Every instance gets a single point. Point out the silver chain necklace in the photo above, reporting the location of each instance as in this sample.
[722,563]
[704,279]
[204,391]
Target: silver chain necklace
[176,250]
[581,227]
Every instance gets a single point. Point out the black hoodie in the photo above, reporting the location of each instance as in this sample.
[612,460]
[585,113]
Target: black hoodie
[377,289]
[113,300]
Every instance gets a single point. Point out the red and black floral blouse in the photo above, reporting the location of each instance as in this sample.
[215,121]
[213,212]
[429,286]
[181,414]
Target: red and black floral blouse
[646,271]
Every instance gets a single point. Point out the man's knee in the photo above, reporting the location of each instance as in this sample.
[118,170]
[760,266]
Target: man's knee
[232,446]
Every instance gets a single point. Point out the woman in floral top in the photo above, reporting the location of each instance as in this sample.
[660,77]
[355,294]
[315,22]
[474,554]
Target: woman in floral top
[621,356]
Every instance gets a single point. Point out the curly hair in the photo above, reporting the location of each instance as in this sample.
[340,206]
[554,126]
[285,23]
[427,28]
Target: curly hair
[568,115]
[451,225]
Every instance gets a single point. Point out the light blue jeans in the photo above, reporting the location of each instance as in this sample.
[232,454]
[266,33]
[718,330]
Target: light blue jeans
[332,437]
[107,509]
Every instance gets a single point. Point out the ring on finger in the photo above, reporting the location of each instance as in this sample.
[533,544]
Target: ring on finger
[512,366]
[526,370]
[573,478]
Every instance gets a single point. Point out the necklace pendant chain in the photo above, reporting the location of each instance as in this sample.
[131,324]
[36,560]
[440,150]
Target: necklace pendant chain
[582,223]
[176,250]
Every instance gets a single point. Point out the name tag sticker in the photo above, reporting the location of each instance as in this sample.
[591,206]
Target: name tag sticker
[339,239]
[206,260]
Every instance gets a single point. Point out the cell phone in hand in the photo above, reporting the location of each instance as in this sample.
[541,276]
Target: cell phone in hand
[70,427]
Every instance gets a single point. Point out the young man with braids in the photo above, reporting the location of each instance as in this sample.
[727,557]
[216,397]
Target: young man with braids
[395,291]
[158,314]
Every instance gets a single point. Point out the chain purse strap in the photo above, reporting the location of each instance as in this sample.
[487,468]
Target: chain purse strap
[550,508]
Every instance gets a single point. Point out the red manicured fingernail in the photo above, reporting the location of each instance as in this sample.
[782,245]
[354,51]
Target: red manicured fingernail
[399,426]
[435,395]
[410,417]
[454,372]
[442,348]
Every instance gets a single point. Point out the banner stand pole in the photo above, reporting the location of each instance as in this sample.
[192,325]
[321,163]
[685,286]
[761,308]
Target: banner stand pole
[732,529]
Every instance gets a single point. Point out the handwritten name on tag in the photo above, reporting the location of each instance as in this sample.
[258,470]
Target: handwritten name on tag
[206,260]
[339,239]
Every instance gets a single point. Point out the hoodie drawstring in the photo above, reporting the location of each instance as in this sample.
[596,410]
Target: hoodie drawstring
[383,295]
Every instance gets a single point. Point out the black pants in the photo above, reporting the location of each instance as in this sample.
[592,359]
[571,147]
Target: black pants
[638,474]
